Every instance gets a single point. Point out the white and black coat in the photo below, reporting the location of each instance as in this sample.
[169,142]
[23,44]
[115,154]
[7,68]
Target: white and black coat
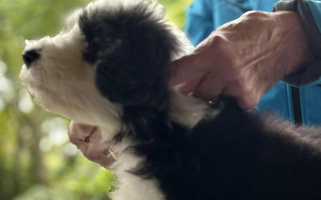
[110,68]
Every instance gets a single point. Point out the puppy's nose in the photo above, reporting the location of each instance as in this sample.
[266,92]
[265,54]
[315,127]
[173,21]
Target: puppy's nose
[30,56]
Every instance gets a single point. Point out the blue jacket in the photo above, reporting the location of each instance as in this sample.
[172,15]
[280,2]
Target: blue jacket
[304,104]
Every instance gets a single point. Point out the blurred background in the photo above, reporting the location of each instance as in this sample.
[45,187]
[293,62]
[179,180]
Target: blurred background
[37,161]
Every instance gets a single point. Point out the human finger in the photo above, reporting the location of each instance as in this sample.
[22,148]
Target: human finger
[79,133]
[88,140]
[185,69]
[209,88]
[190,86]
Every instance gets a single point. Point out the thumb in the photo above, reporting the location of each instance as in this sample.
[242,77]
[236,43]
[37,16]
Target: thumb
[185,69]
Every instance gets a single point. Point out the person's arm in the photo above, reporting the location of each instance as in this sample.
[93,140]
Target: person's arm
[310,14]
[246,57]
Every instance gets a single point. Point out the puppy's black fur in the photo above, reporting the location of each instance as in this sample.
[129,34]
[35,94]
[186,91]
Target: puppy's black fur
[233,155]
[131,51]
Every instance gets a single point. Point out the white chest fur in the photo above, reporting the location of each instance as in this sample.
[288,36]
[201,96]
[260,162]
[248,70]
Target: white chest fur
[132,187]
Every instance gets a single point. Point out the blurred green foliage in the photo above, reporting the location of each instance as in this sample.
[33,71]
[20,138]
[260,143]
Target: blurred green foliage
[37,161]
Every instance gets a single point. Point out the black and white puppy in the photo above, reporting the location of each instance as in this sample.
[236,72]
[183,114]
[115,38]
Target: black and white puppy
[109,67]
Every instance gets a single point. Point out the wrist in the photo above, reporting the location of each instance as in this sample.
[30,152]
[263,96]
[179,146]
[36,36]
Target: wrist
[297,46]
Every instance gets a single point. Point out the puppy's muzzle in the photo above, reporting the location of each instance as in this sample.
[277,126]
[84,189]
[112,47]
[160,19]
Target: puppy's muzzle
[30,56]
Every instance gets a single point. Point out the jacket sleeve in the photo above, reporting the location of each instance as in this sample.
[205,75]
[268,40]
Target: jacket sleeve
[310,13]
[199,21]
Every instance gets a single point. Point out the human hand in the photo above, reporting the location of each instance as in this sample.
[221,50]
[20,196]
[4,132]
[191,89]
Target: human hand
[245,58]
[89,141]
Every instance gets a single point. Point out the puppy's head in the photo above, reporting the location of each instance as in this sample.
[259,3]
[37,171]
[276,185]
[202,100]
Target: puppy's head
[110,55]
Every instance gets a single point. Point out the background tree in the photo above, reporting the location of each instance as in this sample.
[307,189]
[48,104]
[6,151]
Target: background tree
[37,160]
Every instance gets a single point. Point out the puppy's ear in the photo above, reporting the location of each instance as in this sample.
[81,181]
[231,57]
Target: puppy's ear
[131,50]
